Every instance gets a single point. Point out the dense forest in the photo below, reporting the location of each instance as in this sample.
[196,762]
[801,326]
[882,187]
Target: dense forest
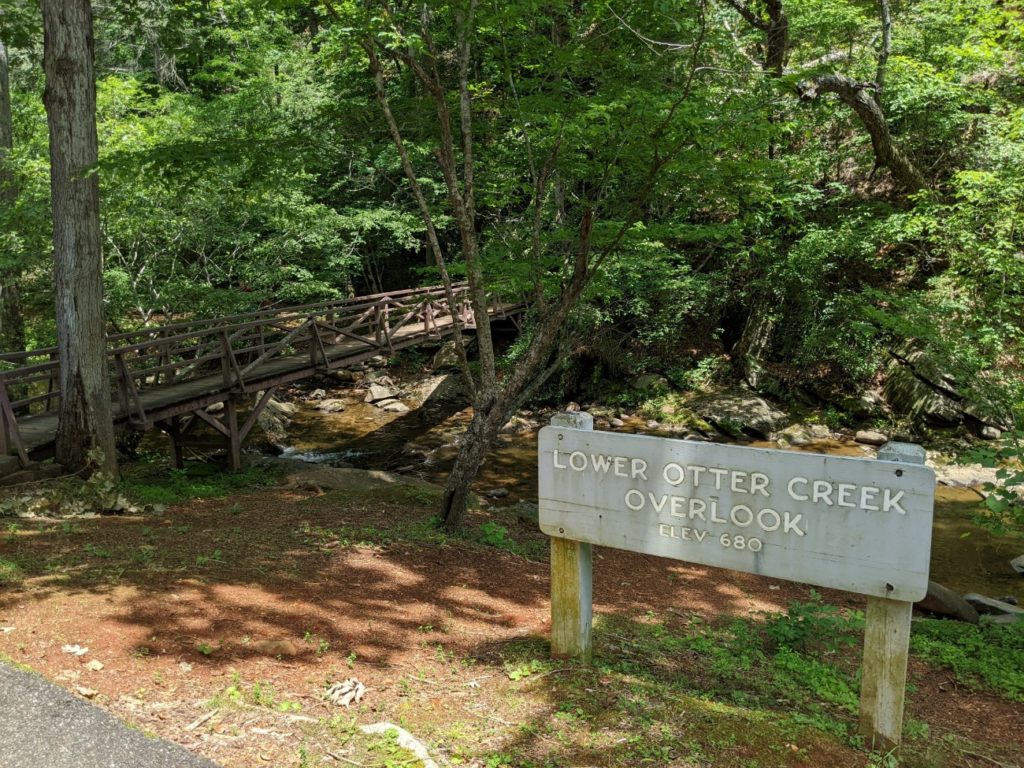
[800,194]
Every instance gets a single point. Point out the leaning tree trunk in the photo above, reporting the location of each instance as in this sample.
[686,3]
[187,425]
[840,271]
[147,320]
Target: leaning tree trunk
[477,441]
[859,97]
[12,323]
[85,420]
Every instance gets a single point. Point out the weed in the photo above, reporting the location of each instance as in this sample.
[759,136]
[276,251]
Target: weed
[531,667]
[394,755]
[493,534]
[151,483]
[95,550]
[9,571]
[979,654]
[351,659]
[216,557]
[814,626]
[205,648]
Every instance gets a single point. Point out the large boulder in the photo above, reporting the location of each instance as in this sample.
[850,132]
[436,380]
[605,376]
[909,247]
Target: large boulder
[914,397]
[442,396]
[377,392]
[274,420]
[918,387]
[447,357]
[739,413]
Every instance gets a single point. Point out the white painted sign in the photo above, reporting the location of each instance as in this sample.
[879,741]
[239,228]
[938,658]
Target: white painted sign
[853,524]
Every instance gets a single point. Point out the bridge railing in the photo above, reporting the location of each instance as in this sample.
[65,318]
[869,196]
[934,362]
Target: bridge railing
[239,353]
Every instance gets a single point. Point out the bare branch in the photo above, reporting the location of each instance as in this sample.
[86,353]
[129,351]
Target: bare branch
[651,43]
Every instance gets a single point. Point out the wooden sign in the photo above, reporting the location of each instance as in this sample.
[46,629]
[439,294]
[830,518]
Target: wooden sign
[852,524]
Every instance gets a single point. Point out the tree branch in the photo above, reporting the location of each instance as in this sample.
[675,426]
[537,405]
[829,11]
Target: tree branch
[883,53]
[859,97]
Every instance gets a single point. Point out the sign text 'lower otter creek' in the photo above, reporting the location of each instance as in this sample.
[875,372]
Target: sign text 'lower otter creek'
[852,524]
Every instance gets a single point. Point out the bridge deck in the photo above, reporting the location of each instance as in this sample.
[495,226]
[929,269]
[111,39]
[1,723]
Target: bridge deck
[177,398]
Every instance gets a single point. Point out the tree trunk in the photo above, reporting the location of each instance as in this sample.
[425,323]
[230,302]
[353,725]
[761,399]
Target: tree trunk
[12,323]
[85,420]
[477,441]
[858,96]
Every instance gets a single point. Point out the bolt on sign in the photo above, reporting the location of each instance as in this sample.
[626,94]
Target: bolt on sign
[852,524]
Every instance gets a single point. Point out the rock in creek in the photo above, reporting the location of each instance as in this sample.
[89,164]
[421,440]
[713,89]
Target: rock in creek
[871,437]
[959,475]
[738,412]
[943,601]
[990,606]
[394,406]
[331,405]
[516,424]
[377,392]
[345,376]
[1018,564]
[794,434]
[273,422]
[378,377]
[447,357]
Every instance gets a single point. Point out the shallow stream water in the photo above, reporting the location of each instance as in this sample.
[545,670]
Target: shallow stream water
[965,557]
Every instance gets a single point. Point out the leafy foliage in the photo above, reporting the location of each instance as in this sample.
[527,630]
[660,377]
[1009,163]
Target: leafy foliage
[985,655]
[244,162]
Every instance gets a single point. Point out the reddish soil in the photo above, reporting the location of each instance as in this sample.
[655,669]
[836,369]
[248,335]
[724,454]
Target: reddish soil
[264,589]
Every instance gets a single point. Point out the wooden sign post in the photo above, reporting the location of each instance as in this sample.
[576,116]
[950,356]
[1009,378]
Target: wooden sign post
[572,603]
[883,681]
[858,525]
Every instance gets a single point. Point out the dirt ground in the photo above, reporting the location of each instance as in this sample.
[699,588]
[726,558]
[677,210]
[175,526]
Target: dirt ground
[218,624]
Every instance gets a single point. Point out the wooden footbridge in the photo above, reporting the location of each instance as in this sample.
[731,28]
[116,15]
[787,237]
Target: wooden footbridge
[168,377]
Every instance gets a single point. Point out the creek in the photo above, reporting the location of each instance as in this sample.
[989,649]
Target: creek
[965,556]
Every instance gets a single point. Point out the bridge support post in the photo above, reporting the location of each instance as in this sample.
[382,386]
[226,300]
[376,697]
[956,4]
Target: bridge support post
[233,435]
[177,449]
